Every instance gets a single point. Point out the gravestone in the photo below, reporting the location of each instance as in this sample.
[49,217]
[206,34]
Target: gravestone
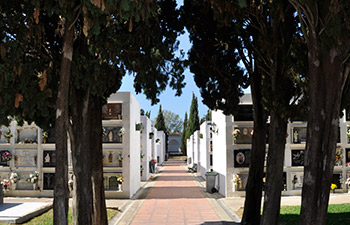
[242,158]
[49,181]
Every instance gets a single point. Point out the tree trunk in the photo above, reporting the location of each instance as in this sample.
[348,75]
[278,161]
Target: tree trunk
[252,204]
[99,203]
[325,85]
[61,192]
[274,170]
[80,142]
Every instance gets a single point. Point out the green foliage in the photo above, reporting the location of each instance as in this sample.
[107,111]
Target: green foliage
[337,214]
[183,136]
[213,57]
[193,121]
[160,122]
[173,122]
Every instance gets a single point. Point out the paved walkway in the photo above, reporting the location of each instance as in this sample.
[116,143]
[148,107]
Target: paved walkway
[176,199]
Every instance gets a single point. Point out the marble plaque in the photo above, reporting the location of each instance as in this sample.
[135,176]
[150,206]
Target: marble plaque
[49,181]
[112,111]
[297,157]
[22,184]
[111,135]
[242,158]
[26,158]
[27,133]
[245,113]
[49,159]
[113,184]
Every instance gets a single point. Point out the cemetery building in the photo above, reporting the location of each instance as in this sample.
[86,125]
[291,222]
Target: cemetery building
[232,139]
[28,153]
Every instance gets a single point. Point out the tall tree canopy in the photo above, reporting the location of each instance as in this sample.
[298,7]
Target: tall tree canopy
[193,120]
[172,121]
[160,121]
[183,136]
[100,41]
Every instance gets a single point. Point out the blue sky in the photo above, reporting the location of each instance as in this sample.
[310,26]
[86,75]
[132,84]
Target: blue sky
[168,100]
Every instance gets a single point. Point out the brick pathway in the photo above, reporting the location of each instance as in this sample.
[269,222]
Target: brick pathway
[175,199]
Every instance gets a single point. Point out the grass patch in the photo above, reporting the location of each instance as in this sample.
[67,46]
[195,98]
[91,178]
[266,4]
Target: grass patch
[338,214]
[46,218]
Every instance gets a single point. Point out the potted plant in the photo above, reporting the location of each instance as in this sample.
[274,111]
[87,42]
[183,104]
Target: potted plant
[151,134]
[33,179]
[120,181]
[8,135]
[347,182]
[14,178]
[6,156]
[235,134]
[139,126]
[45,136]
[120,159]
[294,181]
[237,181]
[5,183]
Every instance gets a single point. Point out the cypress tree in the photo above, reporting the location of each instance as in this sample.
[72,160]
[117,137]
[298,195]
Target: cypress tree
[160,122]
[193,121]
[183,136]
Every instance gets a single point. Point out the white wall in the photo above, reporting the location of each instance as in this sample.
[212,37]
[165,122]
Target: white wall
[204,148]
[221,133]
[189,143]
[146,147]
[196,148]
[131,142]
[160,147]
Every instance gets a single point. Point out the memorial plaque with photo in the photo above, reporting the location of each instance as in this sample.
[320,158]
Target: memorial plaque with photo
[112,111]
[297,157]
[111,135]
[49,159]
[49,181]
[242,158]
[245,113]
[245,136]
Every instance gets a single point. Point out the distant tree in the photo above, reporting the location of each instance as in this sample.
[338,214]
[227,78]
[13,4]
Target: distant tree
[148,114]
[207,117]
[183,136]
[173,122]
[193,121]
[160,122]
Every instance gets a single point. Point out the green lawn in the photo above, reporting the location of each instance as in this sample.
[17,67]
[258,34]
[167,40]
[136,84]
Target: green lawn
[338,214]
[46,218]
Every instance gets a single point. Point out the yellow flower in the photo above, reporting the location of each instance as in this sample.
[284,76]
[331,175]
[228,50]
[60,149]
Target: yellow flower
[333,186]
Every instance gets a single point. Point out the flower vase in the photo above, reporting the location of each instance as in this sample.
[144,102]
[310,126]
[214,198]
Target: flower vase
[35,187]
[119,187]
[44,141]
[120,163]
[8,140]
[14,185]
[333,190]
